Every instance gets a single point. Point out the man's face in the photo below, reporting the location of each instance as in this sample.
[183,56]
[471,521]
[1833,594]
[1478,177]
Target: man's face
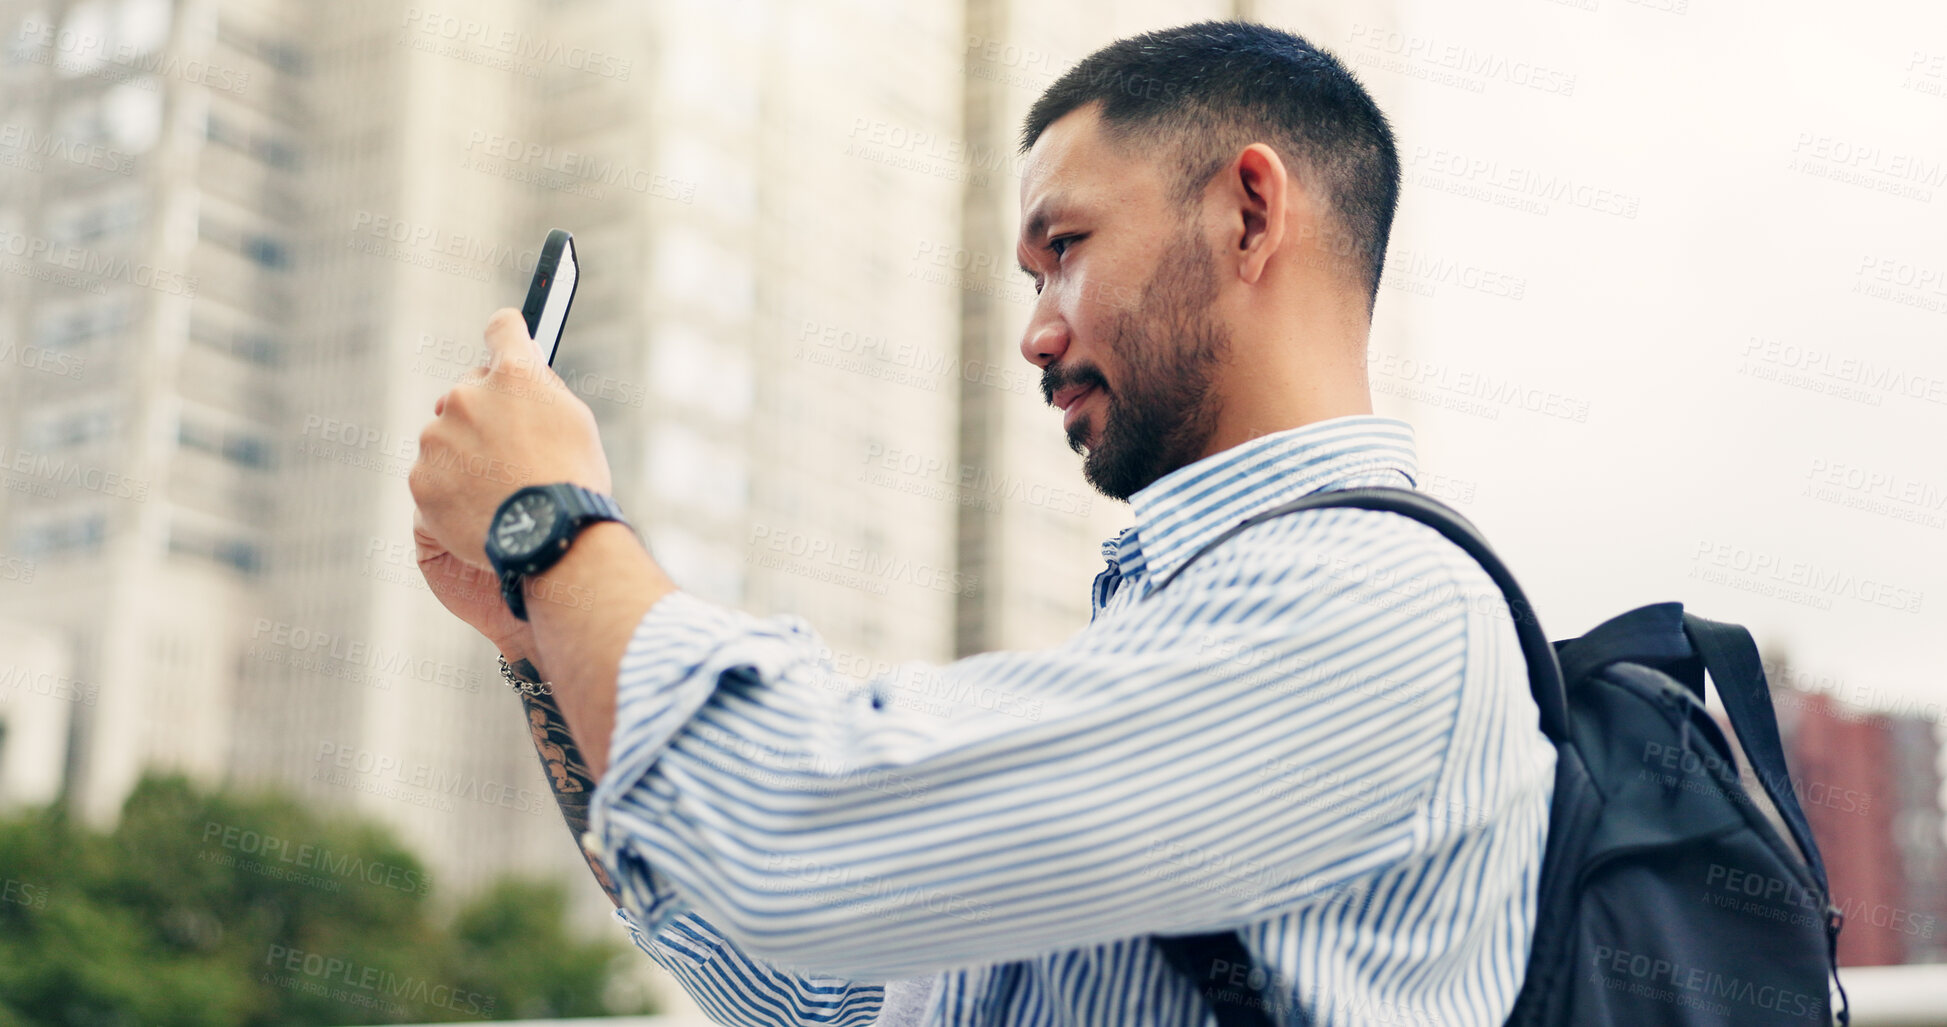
[1123,328]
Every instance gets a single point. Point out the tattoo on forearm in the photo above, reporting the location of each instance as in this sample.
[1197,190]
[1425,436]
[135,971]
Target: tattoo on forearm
[567,771]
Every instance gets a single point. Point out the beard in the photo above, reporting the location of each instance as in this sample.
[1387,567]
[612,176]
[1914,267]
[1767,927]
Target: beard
[1163,414]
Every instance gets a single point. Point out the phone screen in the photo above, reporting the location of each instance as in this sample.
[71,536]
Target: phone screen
[560,292]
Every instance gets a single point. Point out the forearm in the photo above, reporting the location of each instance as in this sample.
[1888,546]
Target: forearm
[561,761]
[581,649]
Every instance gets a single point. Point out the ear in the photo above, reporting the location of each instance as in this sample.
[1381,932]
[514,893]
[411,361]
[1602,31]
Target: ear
[1262,192]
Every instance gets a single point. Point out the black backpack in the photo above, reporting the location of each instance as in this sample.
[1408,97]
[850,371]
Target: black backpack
[1666,896]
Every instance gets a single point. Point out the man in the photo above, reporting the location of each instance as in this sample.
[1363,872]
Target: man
[1321,736]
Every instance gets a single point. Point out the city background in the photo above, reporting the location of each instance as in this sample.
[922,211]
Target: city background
[1665,302]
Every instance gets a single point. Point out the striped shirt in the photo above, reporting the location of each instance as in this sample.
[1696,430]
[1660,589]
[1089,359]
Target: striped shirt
[1321,736]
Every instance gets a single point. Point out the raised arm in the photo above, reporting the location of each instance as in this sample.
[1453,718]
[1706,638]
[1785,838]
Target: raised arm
[1270,735]
[455,489]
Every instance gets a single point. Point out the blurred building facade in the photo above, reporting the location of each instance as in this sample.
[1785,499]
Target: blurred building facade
[1870,787]
[247,243]
[251,241]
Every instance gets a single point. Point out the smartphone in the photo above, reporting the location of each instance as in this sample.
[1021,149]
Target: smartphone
[552,290]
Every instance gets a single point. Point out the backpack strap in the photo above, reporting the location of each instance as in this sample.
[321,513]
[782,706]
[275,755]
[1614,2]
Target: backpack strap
[1732,659]
[1731,656]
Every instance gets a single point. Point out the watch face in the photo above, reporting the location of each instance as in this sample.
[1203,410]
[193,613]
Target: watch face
[525,524]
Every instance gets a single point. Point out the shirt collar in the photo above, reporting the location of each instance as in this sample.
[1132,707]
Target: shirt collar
[1181,511]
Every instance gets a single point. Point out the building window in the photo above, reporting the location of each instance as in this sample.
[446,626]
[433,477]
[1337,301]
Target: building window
[82,533]
[70,325]
[267,252]
[258,347]
[60,429]
[238,446]
[235,553]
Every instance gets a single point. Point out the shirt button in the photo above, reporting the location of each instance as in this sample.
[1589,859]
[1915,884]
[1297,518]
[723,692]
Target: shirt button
[590,844]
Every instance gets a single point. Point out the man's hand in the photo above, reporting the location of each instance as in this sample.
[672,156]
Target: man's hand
[510,424]
[472,594]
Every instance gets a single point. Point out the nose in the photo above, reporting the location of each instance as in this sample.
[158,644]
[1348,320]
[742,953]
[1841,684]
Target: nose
[1044,341]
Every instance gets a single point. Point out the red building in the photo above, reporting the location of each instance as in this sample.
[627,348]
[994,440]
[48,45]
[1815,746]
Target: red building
[1870,786]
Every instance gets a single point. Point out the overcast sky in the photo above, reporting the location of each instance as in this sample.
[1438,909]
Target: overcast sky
[1710,244]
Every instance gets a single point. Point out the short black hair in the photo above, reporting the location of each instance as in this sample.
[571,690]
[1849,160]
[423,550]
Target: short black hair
[1208,90]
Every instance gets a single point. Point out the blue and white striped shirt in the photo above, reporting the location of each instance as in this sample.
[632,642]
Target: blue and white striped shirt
[1321,736]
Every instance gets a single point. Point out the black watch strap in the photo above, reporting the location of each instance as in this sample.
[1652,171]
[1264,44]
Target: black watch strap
[583,506]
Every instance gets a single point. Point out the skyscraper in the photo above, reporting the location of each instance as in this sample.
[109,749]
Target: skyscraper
[259,238]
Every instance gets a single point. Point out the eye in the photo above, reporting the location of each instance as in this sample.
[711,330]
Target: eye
[1059,245]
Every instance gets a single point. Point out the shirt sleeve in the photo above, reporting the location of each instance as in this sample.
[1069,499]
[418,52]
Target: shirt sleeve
[1264,734]
[732,988]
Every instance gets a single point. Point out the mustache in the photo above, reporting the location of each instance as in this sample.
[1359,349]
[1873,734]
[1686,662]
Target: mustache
[1055,378]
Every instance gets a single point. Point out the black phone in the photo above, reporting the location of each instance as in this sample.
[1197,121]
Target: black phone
[551,292]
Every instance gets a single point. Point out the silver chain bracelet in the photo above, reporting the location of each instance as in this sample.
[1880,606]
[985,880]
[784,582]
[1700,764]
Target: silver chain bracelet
[521,684]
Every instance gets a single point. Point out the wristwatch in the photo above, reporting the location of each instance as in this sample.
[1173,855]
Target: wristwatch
[533,529]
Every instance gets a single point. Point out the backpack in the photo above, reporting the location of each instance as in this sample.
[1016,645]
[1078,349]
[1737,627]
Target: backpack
[1666,895]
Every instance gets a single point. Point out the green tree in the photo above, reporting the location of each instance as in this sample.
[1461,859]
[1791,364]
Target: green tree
[214,909]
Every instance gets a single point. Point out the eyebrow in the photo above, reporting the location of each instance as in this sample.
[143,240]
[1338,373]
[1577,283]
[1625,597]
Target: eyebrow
[1044,214]
[1038,220]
